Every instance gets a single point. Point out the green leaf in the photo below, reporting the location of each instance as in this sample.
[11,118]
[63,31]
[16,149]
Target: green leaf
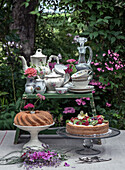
[95,34]
[107,17]
[89,5]
[113,39]
[81,1]
[99,20]
[91,35]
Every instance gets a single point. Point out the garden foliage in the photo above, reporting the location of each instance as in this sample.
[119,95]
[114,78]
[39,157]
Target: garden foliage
[102,22]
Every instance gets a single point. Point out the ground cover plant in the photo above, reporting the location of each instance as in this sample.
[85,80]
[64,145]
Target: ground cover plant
[102,22]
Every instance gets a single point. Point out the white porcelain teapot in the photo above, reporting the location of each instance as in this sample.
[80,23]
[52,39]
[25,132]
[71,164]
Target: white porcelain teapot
[38,60]
[54,79]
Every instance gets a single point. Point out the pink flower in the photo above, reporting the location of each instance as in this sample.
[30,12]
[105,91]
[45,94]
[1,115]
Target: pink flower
[29,105]
[40,96]
[83,103]
[96,64]
[87,98]
[69,110]
[100,87]
[69,70]
[115,58]
[104,54]
[71,61]
[108,104]
[111,68]
[78,101]
[93,91]
[99,69]
[51,65]
[96,55]
[109,52]
[30,72]
[66,164]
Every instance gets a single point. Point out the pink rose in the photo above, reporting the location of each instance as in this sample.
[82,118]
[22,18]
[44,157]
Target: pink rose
[30,72]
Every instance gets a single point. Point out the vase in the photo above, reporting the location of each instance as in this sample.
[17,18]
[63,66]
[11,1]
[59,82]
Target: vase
[30,85]
[40,86]
[29,89]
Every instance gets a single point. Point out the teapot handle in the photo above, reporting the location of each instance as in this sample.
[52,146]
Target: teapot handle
[90,55]
[53,56]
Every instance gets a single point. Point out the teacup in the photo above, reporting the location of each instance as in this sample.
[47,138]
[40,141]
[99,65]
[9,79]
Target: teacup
[80,83]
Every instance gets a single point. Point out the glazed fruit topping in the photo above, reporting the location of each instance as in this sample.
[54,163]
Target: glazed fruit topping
[86,120]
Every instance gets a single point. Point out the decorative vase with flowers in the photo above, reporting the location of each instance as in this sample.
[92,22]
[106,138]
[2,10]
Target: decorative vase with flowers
[31,74]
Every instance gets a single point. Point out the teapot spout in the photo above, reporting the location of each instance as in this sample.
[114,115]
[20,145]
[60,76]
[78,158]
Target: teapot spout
[24,62]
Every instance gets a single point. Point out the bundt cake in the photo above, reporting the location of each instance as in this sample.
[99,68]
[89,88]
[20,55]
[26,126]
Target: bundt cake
[39,118]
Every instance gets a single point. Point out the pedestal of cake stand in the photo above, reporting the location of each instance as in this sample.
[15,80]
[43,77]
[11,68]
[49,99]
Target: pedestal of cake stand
[88,140]
[34,142]
[88,148]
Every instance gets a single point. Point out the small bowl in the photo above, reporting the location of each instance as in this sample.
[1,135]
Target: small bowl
[61,90]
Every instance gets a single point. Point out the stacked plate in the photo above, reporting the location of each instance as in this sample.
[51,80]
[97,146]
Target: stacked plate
[81,89]
[80,81]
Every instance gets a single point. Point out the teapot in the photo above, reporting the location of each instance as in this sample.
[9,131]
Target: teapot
[39,61]
[54,80]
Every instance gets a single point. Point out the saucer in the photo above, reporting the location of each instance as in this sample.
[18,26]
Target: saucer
[80,91]
[75,88]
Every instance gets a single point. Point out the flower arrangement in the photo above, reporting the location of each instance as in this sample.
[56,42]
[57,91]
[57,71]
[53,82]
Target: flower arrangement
[32,107]
[31,158]
[71,66]
[30,72]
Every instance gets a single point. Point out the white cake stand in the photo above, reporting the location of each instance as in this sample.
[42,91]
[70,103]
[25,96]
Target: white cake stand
[34,142]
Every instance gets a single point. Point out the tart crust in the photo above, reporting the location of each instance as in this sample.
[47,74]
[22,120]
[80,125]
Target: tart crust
[87,130]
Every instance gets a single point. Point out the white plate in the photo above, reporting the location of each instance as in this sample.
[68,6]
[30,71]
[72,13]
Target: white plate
[80,91]
[82,88]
